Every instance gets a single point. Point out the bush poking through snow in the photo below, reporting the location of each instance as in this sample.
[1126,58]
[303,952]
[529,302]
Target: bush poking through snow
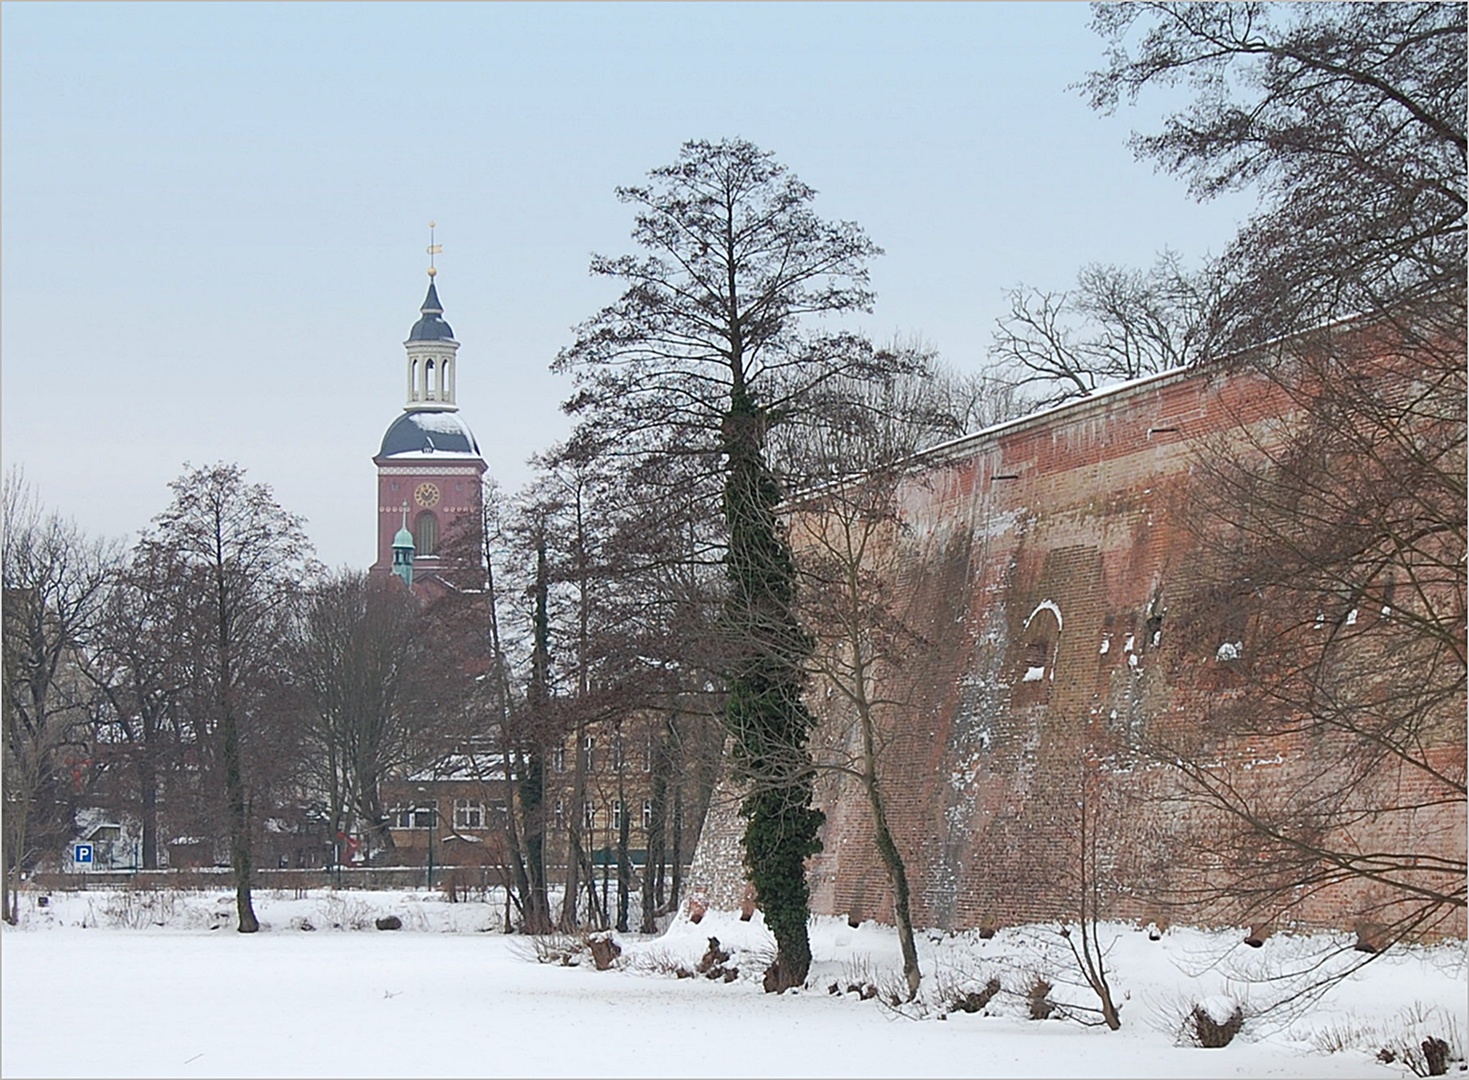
[133,909]
[712,963]
[975,1000]
[661,961]
[566,950]
[1038,994]
[604,949]
[1421,1046]
[713,957]
[1213,1023]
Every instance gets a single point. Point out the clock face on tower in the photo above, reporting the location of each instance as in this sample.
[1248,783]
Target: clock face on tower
[426,495]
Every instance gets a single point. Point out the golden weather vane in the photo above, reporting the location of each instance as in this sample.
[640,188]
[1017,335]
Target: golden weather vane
[433,249]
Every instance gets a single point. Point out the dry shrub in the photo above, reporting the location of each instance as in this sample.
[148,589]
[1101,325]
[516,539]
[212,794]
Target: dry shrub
[1425,1041]
[566,950]
[972,1001]
[660,961]
[711,964]
[133,909]
[1340,1036]
[1038,995]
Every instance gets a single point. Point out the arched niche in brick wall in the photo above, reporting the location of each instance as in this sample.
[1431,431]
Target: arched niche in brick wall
[1037,648]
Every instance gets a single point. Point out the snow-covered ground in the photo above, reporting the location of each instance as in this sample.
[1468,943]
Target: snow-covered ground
[159,984]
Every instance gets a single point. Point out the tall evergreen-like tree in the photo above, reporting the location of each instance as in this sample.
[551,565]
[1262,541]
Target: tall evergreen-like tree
[707,341]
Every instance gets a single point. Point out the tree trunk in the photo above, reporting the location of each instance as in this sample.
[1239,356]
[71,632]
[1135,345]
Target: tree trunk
[575,853]
[239,822]
[624,863]
[148,799]
[892,861]
[675,893]
[533,805]
[533,784]
[653,865]
[378,825]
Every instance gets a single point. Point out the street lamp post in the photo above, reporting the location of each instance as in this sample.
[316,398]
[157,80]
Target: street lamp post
[432,806]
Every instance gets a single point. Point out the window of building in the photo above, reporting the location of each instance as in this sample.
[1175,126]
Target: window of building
[426,534]
[410,817]
[469,814]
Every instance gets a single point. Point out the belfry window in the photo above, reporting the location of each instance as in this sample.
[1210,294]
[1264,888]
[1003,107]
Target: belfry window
[426,534]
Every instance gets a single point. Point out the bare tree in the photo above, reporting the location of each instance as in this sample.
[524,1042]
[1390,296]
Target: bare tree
[55,590]
[378,693]
[848,536]
[1092,890]
[1118,324]
[140,669]
[246,560]
[847,546]
[1348,119]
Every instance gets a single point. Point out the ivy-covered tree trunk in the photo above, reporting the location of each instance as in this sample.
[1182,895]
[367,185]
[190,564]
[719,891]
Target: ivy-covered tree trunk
[770,723]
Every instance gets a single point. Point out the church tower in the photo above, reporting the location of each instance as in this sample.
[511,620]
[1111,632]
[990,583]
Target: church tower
[429,466]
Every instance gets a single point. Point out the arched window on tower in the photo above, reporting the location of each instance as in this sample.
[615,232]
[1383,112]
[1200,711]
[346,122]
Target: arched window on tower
[426,534]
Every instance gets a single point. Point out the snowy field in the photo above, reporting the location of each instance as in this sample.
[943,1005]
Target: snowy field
[159,984]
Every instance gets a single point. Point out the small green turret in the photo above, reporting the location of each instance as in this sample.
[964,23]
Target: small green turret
[403,551]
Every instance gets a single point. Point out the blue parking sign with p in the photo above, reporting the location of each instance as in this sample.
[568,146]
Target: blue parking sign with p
[82,854]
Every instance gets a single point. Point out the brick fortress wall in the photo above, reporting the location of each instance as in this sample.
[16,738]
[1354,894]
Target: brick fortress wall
[1050,566]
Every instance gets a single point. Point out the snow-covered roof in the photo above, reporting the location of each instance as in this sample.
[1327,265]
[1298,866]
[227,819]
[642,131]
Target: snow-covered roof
[422,433]
[466,766]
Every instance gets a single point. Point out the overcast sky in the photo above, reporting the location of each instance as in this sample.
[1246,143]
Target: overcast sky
[213,216]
